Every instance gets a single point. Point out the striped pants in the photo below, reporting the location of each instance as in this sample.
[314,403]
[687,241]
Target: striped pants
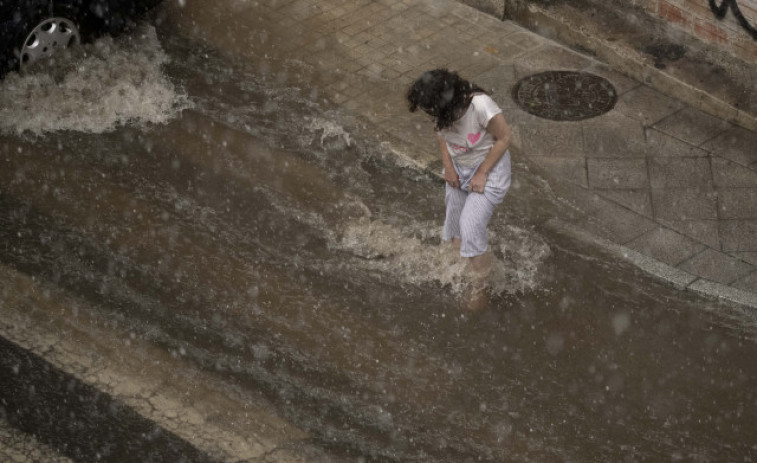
[468,214]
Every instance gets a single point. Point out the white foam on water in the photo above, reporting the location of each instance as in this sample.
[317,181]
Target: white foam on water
[93,89]
[328,129]
[402,253]
[411,253]
[519,255]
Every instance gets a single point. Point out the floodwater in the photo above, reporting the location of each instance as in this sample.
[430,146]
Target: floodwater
[241,222]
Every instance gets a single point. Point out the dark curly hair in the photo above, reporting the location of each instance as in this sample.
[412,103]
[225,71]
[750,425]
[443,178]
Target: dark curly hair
[442,94]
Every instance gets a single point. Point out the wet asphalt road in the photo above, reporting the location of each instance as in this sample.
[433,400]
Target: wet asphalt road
[223,234]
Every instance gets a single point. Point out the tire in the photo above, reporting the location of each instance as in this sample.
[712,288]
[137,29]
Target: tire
[42,31]
[47,37]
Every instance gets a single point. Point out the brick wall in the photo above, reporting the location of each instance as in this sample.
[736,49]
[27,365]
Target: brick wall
[736,32]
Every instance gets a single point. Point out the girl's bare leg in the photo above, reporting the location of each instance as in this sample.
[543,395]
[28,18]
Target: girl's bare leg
[456,243]
[480,267]
[453,247]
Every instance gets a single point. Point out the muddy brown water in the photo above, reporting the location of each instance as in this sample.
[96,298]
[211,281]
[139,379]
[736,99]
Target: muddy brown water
[256,232]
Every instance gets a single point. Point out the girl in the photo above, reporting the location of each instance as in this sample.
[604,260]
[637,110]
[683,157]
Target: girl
[473,139]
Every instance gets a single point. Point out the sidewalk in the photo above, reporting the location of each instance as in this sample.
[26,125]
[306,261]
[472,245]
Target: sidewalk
[658,181]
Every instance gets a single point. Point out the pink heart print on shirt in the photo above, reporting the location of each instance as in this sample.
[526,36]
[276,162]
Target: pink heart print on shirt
[474,137]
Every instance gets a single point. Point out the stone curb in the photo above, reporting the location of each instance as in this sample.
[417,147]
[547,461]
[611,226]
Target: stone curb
[674,276]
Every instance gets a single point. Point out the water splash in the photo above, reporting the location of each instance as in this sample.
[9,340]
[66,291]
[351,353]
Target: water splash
[414,254]
[329,129]
[93,89]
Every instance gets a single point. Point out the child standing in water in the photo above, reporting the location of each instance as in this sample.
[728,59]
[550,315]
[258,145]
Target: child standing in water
[473,139]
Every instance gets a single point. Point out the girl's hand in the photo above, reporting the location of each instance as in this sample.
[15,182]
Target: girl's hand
[478,182]
[450,176]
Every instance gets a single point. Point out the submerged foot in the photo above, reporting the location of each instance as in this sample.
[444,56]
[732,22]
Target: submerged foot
[476,297]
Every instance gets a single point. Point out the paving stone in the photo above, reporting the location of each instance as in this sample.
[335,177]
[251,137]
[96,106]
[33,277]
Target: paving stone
[737,144]
[504,50]
[684,204]
[497,81]
[680,173]
[663,145]
[517,118]
[614,134]
[703,231]
[508,28]
[638,201]
[738,235]
[737,203]
[748,283]
[728,174]
[552,58]
[750,257]
[666,245]
[617,173]
[693,126]
[572,170]
[614,222]
[565,139]
[299,11]
[621,82]
[475,63]
[717,267]
[526,40]
[647,105]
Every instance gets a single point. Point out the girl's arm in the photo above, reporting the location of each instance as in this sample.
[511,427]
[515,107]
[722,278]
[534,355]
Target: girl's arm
[450,174]
[498,127]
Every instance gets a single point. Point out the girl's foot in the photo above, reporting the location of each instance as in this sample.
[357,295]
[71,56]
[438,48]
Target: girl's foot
[476,297]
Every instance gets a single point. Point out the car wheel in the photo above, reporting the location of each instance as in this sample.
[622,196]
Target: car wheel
[46,38]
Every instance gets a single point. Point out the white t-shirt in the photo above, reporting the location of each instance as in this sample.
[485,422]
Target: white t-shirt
[467,140]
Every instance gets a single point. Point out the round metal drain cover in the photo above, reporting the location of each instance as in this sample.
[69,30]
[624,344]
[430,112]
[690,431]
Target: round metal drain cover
[565,95]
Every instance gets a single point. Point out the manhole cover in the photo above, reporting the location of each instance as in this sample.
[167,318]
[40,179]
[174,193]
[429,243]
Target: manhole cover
[565,95]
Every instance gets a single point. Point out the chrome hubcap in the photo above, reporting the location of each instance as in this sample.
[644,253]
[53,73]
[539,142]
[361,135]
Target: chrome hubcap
[49,36]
